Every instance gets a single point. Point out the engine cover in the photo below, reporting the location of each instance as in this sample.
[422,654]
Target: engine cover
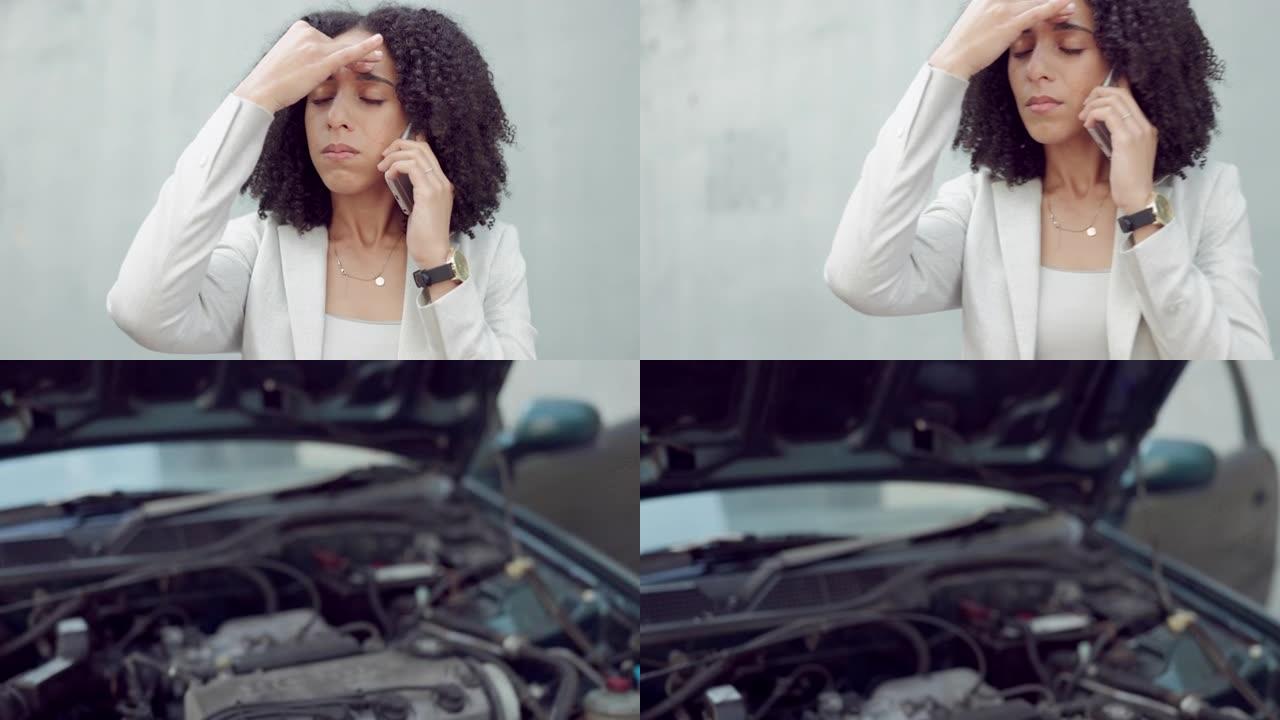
[922,697]
[460,694]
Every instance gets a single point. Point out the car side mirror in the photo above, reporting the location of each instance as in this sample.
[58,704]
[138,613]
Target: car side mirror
[1170,466]
[550,425]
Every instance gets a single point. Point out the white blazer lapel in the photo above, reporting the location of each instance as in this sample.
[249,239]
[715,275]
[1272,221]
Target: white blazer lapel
[413,336]
[1124,311]
[1018,228]
[302,260]
[419,335]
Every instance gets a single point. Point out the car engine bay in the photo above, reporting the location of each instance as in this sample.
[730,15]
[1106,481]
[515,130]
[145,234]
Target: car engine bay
[1065,630]
[395,601]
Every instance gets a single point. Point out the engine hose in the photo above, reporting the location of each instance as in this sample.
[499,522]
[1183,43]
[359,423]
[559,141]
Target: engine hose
[1219,661]
[567,686]
[491,653]
[526,698]
[13,704]
[776,636]
[486,684]
[1184,704]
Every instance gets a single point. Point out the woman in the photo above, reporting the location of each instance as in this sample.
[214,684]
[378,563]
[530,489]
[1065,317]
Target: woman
[1052,248]
[331,266]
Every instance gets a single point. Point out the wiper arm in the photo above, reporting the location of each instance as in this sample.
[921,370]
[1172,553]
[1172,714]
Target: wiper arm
[136,519]
[739,544]
[727,548]
[822,552]
[87,505]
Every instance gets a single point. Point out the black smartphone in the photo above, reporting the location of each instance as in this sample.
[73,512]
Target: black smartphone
[1099,131]
[400,186]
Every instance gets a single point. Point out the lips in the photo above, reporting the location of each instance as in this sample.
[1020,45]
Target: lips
[1043,100]
[339,149]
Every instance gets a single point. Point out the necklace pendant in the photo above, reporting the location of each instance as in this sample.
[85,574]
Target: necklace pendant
[1092,231]
[379,281]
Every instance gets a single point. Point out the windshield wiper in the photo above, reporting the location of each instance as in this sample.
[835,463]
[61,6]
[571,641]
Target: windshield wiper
[721,548]
[694,559]
[812,554]
[165,507]
[87,505]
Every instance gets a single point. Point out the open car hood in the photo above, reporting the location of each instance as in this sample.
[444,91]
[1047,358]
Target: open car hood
[437,413]
[1062,431]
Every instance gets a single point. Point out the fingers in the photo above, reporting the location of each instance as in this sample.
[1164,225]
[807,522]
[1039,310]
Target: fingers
[419,142]
[1110,114]
[402,159]
[1118,98]
[1125,121]
[366,64]
[1036,11]
[418,175]
[355,53]
[422,146]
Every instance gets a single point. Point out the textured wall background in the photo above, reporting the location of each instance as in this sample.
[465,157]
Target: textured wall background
[103,95]
[755,118]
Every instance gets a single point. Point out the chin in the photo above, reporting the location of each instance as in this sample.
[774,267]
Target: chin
[1049,134]
[345,183]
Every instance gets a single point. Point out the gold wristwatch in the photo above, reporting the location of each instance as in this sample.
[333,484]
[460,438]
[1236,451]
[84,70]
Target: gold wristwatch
[454,269]
[1157,212]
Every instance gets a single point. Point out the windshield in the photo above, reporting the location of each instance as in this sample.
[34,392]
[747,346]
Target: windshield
[196,465]
[864,509]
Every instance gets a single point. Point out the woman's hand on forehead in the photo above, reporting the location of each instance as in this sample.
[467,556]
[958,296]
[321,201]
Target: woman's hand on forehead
[302,60]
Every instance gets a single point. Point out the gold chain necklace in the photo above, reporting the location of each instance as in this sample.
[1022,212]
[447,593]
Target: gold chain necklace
[1091,230]
[378,279]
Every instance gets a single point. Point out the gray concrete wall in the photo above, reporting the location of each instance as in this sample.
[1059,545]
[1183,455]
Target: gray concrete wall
[755,118]
[103,95]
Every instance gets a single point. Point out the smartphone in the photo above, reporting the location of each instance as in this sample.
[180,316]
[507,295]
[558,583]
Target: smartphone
[1099,131]
[400,186]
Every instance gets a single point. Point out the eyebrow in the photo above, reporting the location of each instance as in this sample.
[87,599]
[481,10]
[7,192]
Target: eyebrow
[366,77]
[1060,27]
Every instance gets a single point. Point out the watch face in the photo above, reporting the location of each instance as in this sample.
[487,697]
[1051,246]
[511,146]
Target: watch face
[460,268]
[1164,211]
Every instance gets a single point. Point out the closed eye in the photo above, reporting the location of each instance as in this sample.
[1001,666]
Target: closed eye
[1065,51]
[325,101]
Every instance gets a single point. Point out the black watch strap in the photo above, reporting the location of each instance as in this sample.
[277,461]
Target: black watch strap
[1138,220]
[426,278]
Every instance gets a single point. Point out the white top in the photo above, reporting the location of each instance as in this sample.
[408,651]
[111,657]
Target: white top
[347,339]
[197,280]
[1073,315]
[906,247]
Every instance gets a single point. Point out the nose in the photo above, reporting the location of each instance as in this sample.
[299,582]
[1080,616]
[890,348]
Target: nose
[338,114]
[1038,63]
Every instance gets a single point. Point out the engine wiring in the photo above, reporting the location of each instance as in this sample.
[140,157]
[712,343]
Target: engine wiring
[1077,691]
[715,664]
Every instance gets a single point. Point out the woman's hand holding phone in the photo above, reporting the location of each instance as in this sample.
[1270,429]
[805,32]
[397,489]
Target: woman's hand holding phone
[1133,143]
[988,28]
[299,61]
[428,229]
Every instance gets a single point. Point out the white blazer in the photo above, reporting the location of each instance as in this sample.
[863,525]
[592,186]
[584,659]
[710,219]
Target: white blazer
[1190,290]
[197,281]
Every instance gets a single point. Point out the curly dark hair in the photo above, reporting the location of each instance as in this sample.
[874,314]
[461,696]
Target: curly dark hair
[1157,44]
[447,92]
